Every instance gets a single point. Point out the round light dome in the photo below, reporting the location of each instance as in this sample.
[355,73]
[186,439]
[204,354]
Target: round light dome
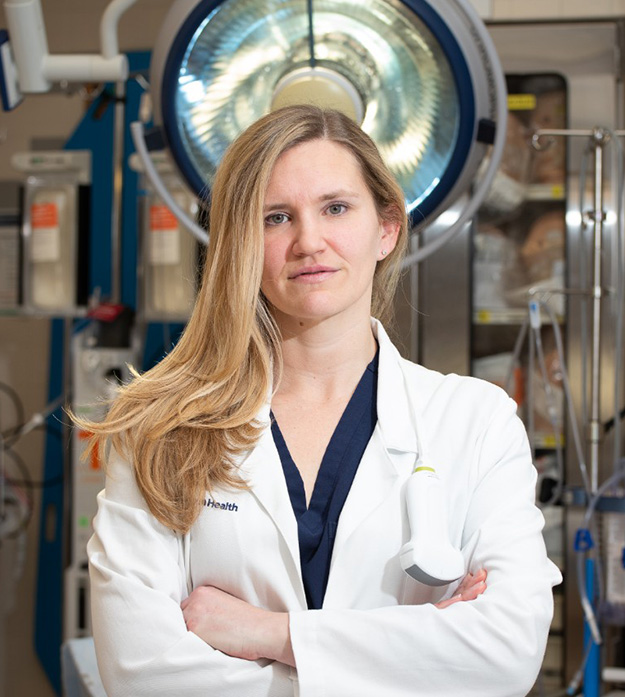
[411,77]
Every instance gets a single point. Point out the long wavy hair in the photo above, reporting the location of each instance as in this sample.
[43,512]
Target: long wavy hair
[185,423]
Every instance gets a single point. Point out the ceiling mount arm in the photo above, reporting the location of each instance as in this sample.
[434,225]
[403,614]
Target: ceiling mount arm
[37,70]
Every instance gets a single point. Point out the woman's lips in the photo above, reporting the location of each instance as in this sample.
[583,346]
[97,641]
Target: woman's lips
[312,274]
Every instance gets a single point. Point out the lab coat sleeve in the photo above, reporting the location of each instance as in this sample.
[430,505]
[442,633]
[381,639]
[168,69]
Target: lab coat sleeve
[490,647]
[137,584]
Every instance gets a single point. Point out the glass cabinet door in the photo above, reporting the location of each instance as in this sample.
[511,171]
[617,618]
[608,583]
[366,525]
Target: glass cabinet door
[519,255]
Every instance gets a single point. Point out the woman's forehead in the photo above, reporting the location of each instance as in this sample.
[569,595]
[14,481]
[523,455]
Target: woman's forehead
[317,164]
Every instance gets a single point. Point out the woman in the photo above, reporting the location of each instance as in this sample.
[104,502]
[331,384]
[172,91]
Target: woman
[251,546]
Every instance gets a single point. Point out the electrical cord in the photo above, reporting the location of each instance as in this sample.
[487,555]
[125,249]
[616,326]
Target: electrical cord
[573,687]
[581,460]
[15,498]
[36,420]
[17,401]
[552,409]
[531,358]
[584,543]
[516,353]
[16,493]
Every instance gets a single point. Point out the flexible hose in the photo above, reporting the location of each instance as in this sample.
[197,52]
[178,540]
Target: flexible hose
[568,396]
[516,353]
[552,410]
[589,613]
[138,138]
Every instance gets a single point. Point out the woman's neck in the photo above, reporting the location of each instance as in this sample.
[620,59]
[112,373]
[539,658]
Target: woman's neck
[322,361]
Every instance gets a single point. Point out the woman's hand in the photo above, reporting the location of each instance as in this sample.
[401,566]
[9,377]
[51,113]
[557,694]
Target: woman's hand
[237,628]
[469,589]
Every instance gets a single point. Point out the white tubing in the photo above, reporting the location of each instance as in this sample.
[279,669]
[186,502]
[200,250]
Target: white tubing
[85,68]
[136,131]
[37,69]
[480,192]
[577,441]
[108,27]
[28,40]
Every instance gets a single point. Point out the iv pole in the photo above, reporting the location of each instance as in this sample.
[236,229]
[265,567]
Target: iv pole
[599,138]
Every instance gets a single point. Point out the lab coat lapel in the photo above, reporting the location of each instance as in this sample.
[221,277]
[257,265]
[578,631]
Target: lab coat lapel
[392,450]
[374,480]
[263,472]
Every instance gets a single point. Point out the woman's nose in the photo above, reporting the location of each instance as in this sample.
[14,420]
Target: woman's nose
[309,239]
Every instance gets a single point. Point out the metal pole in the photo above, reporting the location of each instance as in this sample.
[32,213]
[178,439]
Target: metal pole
[118,170]
[600,137]
[68,476]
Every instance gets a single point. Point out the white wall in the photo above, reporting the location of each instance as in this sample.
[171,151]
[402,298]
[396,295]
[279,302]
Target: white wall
[505,10]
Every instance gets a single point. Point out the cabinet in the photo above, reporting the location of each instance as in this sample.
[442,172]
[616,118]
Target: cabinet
[518,256]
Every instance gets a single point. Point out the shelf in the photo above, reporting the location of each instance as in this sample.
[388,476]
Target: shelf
[505,315]
[32,313]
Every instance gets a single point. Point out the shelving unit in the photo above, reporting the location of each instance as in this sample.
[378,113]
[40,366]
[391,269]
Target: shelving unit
[518,253]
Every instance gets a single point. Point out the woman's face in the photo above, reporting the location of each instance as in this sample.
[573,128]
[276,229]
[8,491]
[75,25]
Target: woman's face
[323,235]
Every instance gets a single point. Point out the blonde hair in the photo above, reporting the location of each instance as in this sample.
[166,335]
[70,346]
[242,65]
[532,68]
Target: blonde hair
[185,423]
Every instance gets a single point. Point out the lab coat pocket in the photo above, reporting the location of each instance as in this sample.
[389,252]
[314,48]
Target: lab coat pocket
[236,546]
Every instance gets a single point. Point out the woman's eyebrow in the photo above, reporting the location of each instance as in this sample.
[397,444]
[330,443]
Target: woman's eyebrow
[339,193]
[329,196]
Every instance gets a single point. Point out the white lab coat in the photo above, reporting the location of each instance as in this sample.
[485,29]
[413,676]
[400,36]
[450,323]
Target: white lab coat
[378,632]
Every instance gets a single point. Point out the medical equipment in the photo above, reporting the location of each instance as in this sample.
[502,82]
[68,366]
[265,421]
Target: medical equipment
[101,356]
[9,89]
[361,54]
[603,497]
[55,229]
[10,220]
[352,55]
[279,51]
[429,556]
[168,256]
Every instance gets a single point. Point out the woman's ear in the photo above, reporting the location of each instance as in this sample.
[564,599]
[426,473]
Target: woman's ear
[389,231]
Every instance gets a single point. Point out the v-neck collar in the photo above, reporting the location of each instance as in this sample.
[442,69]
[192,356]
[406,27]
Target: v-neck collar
[330,467]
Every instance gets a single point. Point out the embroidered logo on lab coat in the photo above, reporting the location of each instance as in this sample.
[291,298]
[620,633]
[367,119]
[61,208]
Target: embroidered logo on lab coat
[225,506]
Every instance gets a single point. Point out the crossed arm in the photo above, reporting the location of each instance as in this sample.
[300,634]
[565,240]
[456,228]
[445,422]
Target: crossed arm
[239,629]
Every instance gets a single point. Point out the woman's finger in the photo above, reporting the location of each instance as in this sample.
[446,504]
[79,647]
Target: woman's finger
[470,588]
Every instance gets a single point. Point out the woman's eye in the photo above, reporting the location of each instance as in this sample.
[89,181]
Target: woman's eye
[276,219]
[337,208]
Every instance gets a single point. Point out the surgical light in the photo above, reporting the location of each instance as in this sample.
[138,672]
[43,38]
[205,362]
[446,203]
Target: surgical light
[420,77]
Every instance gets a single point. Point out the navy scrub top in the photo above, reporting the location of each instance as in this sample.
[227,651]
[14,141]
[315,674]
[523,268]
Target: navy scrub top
[317,524]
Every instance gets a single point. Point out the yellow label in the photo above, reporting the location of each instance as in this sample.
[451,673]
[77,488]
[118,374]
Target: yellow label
[548,440]
[521,102]
[484,316]
[557,191]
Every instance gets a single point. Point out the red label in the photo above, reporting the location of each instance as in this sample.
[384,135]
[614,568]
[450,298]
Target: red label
[161,218]
[44,215]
